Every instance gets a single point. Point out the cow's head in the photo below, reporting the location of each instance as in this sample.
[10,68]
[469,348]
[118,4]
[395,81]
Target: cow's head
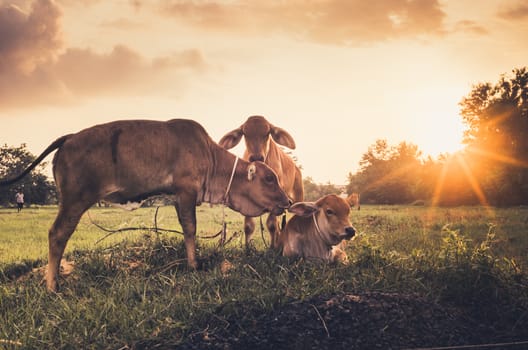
[255,190]
[331,217]
[258,133]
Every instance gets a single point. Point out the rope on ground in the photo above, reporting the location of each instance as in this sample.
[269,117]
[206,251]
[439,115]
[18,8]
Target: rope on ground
[262,233]
[157,229]
[322,320]
[283,223]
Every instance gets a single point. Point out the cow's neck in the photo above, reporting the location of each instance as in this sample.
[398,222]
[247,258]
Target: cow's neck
[220,175]
[312,242]
[273,155]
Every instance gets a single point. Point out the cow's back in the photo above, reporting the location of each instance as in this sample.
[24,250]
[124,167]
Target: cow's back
[124,155]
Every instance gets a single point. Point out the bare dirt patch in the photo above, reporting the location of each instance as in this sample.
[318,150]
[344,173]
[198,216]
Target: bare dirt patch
[356,321]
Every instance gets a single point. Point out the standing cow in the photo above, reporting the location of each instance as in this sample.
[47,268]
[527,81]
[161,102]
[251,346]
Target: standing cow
[261,139]
[128,161]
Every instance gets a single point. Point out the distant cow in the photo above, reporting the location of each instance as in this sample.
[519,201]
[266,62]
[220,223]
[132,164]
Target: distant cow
[261,139]
[317,229]
[353,200]
[128,161]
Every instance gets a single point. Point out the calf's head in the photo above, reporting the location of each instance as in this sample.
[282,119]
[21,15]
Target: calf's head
[257,132]
[331,218]
[255,190]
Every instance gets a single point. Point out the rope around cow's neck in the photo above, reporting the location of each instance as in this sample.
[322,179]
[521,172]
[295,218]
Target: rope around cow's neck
[224,204]
[316,225]
[230,181]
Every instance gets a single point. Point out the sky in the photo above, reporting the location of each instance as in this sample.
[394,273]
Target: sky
[336,74]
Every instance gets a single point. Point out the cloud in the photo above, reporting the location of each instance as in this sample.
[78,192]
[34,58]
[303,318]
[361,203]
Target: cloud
[135,4]
[469,26]
[35,68]
[28,39]
[516,12]
[338,22]
[82,3]
[123,24]
[121,71]
[82,73]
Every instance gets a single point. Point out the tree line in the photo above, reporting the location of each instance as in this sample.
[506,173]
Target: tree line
[492,169]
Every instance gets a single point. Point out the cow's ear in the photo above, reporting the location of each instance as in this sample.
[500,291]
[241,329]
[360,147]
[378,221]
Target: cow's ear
[252,170]
[231,139]
[303,208]
[282,137]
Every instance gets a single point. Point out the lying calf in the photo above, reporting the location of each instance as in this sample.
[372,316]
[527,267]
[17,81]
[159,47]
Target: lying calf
[317,229]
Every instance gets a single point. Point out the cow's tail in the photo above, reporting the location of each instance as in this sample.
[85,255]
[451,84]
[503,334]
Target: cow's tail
[55,145]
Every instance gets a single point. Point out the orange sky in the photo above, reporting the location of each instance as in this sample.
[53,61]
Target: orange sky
[336,74]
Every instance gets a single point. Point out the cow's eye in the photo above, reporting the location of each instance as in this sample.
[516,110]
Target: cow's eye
[269,178]
[329,212]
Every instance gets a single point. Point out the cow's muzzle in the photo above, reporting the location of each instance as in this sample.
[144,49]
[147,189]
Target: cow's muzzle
[280,209]
[349,232]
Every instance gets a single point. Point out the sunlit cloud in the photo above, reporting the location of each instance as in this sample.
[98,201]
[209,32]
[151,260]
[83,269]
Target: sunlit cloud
[83,3]
[123,24]
[122,70]
[471,27]
[338,22]
[518,11]
[36,68]
[81,73]
[28,38]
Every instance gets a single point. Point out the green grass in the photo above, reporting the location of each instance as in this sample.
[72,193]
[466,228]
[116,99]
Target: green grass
[403,229]
[134,288]
[24,235]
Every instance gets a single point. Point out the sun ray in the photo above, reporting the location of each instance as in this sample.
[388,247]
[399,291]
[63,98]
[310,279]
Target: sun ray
[498,157]
[389,176]
[473,182]
[459,158]
[440,184]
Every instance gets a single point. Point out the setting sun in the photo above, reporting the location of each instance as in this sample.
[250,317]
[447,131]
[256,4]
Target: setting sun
[444,136]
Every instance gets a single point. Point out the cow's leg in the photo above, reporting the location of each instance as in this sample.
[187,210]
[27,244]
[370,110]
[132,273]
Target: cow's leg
[186,209]
[60,232]
[249,228]
[271,224]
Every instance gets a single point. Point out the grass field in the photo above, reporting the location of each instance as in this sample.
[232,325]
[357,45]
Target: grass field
[133,290]
[24,235]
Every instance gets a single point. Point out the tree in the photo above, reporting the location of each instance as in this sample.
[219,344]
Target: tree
[497,120]
[388,175]
[313,191]
[36,186]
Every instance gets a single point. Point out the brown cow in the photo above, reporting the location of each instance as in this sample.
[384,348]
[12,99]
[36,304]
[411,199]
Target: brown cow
[128,161]
[317,229]
[353,200]
[261,139]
